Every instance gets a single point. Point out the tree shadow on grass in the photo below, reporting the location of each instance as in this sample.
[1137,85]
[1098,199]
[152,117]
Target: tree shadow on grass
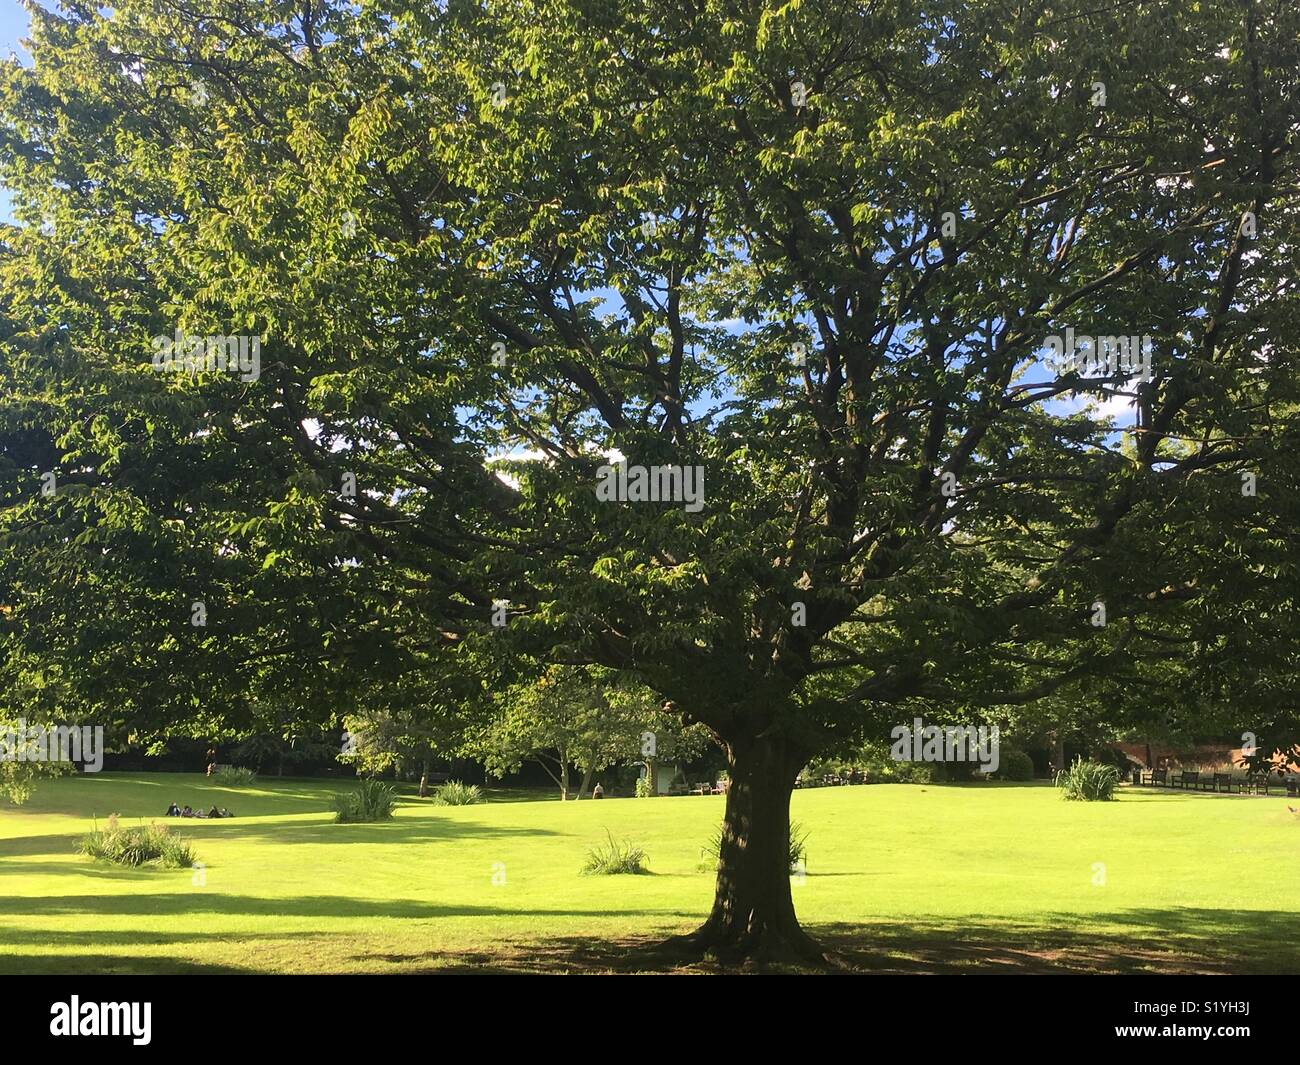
[120,965]
[1137,941]
[401,830]
[187,903]
[11,939]
[84,867]
[1180,940]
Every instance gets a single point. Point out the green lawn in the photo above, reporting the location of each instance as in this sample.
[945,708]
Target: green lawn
[900,878]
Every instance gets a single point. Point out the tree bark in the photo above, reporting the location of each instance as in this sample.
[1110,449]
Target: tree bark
[584,789]
[424,780]
[753,914]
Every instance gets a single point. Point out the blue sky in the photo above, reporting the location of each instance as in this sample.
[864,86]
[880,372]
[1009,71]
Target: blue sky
[13,27]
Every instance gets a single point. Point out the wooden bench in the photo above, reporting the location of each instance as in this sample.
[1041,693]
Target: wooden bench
[1265,782]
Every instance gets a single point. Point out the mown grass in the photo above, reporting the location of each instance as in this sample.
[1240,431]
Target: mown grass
[901,878]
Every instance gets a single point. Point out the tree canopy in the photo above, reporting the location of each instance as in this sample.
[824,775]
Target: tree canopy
[818,253]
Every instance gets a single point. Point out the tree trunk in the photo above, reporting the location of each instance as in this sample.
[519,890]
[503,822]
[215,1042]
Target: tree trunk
[584,789]
[564,780]
[652,775]
[753,913]
[424,780]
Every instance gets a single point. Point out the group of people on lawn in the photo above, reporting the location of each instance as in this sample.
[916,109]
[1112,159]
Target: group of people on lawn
[176,811]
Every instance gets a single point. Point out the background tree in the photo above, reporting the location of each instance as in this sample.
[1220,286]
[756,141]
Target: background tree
[583,718]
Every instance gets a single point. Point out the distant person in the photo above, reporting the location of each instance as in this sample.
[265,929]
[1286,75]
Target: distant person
[173,810]
[211,759]
[214,812]
[226,813]
[597,792]
[187,812]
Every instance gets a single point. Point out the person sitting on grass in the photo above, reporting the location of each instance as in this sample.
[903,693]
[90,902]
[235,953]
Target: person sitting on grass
[187,812]
[214,812]
[597,792]
[226,813]
[173,810]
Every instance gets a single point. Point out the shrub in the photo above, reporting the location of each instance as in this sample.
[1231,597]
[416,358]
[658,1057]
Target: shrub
[1014,764]
[614,858]
[372,801]
[711,852]
[454,793]
[872,765]
[643,787]
[152,845]
[236,776]
[1088,781]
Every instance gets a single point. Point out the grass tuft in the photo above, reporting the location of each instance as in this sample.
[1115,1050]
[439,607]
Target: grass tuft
[134,847]
[1088,781]
[372,801]
[236,776]
[614,858]
[454,793]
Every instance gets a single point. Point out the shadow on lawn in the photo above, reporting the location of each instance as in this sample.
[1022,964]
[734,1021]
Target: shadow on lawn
[1212,941]
[109,965]
[402,830]
[1135,941]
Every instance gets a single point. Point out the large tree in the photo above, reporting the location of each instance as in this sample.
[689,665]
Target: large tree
[815,250]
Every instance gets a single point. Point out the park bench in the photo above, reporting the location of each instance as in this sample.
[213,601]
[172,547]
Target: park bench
[1189,778]
[1257,781]
[1222,782]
